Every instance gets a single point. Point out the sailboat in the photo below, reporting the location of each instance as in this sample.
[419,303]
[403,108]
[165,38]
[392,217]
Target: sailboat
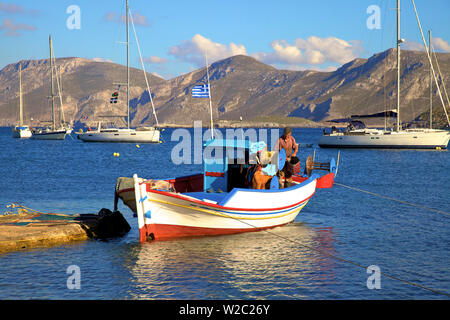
[52,132]
[21,130]
[141,134]
[417,138]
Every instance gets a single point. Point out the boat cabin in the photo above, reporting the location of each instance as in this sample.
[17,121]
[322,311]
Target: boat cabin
[228,164]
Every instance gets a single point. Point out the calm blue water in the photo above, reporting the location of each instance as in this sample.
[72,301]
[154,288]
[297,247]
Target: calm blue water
[75,177]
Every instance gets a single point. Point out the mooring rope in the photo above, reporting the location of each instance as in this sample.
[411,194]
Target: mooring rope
[23,212]
[347,261]
[393,199]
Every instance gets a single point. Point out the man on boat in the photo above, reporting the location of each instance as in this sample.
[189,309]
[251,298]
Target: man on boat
[288,143]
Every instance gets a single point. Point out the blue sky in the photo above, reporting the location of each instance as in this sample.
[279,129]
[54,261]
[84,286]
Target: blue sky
[288,34]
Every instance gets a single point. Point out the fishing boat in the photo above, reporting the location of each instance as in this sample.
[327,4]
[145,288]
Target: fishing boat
[53,131]
[220,200]
[128,134]
[21,130]
[400,138]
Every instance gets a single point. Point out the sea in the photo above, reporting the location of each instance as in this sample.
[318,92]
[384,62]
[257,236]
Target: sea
[380,233]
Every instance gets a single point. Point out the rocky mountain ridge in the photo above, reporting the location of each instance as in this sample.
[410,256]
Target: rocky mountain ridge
[241,86]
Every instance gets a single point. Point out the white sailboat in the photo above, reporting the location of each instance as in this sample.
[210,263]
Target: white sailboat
[417,138]
[21,130]
[52,132]
[141,134]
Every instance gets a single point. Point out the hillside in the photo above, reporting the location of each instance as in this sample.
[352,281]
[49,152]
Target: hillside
[240,85]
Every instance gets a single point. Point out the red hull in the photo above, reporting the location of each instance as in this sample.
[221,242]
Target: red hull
[167,231]
[324,182]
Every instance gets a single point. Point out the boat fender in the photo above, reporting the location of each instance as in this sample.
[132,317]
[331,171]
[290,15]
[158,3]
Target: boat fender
[274,183]
[281,159]
[309,165]
[333,165]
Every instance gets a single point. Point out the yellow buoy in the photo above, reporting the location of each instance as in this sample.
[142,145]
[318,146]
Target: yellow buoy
[438,148]
[116,154]
[138,146]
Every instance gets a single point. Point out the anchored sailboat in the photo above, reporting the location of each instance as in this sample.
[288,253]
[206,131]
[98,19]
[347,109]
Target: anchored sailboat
[21,130]
[53,132]
[141,134]
[418,138]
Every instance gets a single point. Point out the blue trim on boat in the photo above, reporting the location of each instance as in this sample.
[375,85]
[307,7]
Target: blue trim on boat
[251,213]
[217,197]
[232,193]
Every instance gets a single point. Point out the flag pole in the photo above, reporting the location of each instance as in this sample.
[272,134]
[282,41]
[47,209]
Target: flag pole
[209,94]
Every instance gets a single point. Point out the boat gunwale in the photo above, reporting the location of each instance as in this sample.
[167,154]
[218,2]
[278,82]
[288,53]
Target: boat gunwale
[181,196]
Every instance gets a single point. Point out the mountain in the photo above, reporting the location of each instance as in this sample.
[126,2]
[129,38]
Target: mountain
[87,86]
[240,86]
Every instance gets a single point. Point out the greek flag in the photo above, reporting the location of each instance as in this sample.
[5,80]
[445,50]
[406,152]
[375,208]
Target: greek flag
[200,91]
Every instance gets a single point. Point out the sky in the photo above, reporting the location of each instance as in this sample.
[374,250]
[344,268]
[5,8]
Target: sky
[174,35]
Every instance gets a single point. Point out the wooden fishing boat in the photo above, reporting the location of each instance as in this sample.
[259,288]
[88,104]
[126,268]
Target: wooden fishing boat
[219,201]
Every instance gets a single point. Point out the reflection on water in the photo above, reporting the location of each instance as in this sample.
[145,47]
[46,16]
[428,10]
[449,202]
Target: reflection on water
[245,266]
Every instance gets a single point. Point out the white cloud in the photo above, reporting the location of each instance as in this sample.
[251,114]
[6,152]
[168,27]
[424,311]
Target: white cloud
[140,20]
[312,51]
[412,45]
[158,75]
[13,8]
[97,59]
[12,29]
[194,50]
[438,44]
[155,59]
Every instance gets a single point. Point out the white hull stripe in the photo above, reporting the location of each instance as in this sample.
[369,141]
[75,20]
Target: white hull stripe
[238,215]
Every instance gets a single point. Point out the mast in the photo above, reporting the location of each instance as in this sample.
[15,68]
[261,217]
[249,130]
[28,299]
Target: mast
[398,65]
[209,94]
[20,97]
[143,69]
[431,82]
[59,83]
[431,64]
[128,70]
[51,82]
